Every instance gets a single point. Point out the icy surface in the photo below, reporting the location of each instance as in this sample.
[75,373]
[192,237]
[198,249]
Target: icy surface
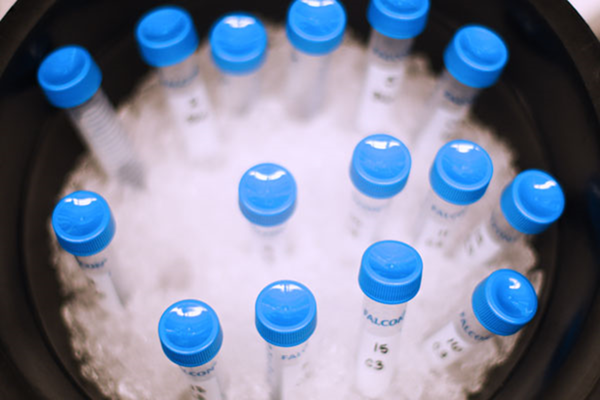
[184,237]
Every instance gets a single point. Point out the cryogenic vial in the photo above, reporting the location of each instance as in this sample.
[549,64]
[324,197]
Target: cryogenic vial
[70,79]
[286,317]
[394,25]
[528,206]
[379,171]
[390,275]
[84,226]
[238,44]
[474,60]
[501,305]
[459,176]
[167,40]
[191,336]
[315,28]
[267,198]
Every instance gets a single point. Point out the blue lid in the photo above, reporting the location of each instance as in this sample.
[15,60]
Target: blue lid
[476,56]
[532,201]
[238,43]
[267,194]
[380,166]
[316,26]
[504,302]
[398,19]
[69,76]
[83,223]
[390,272]
[190,333]
[166,36]
[461,172]
[286,313]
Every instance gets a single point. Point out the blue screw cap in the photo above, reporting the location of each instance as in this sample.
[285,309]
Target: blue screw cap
[267,194]
[316,26]
[476,56]
[380,166]
[390,272]
[190,333]
[238,43]
[398,19]
[83,223]
[166,36]
[504,302]
[286,313]
[532,201]
[69,76]
[461,172]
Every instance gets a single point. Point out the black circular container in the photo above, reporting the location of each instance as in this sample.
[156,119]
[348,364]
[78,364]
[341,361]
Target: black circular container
[547,106]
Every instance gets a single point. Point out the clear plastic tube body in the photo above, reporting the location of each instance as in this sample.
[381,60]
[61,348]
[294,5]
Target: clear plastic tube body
[384,76]
[204,380]
[98,267]
[238,92]
[366,214]
[306,84]
[378,346]
[190,106]
[488,240]
[287,369]
[439,222]
[450,103]
[270,241]
[456,339]
[100,128]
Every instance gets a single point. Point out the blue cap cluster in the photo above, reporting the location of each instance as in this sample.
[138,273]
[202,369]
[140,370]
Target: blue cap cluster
[166,36]
[504,302]
[190,333]
[476,56]
[380,166]
[238,43]
[390,272]
[532,201]
[83,223]
[316,26]
[398,19]
[69,76]
[461,172]
[267,194]
[286,313]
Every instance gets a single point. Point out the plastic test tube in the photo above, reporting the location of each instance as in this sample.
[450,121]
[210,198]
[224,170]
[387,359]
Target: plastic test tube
[267,198]
[459,176]
[191,336]
[390,276]
[394,27]
[315,28]
[528,206]
[501,305]
[286,317]
[379,171]
[70,79]
[238,45]
[474,60]
[84,226]
[167,39]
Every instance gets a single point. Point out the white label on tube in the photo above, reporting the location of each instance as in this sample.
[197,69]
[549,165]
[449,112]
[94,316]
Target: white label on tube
[440,127]
[440,219]
[204,381]
[287,369]
[365,215]
[97,268]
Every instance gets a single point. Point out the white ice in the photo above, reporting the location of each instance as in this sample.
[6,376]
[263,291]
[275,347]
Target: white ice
[184,237]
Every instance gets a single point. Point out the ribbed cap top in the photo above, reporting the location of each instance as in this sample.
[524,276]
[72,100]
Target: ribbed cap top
[504,302]
[83,223]
[380,166]
[390,272]
[398,19]
[190,333]
[286,313]
[532,201]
